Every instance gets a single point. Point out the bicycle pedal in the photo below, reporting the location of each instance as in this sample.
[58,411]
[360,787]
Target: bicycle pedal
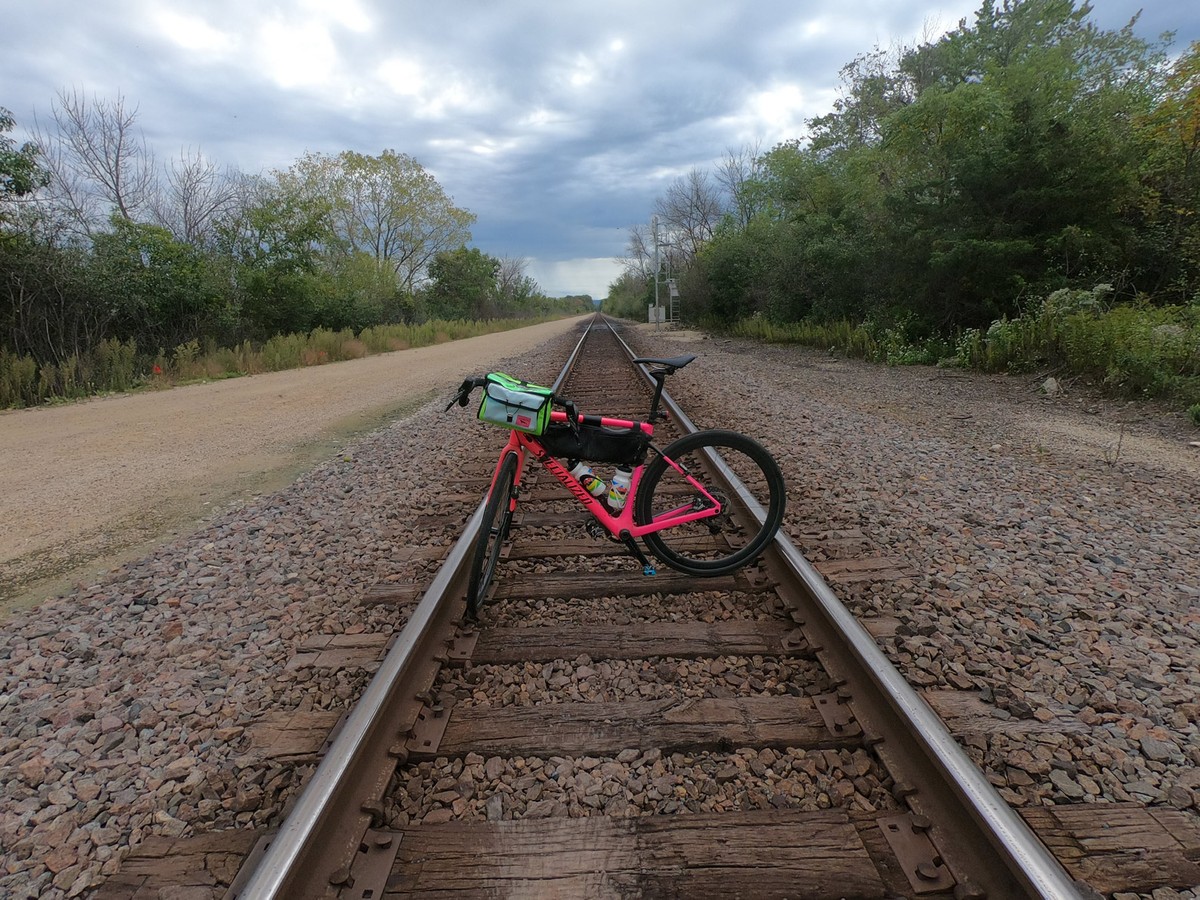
[649,570]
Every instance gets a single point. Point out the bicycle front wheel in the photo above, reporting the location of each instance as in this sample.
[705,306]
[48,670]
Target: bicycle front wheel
[497,517]
[734,537]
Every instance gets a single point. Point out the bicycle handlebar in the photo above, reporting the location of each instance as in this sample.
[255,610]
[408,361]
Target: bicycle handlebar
[463,396]
[660,369]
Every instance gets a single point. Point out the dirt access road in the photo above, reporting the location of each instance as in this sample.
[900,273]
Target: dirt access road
[86,486]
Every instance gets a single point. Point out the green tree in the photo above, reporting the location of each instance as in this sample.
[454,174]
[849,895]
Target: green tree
[629,296]
[387,207]
[273,246]
[163,292]
[809,251]
[20,173]
[369,295]
[873,89]
[1014,166]
[1015,155]
[462,285]
[1167,214]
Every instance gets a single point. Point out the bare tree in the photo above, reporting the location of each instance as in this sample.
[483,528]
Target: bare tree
[740,175]
[196,195]
[98,159]
[639,252]
[66,206]
[513,283]
[689,213]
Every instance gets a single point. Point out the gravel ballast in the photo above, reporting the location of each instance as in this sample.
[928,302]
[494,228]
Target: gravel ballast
[1051,540]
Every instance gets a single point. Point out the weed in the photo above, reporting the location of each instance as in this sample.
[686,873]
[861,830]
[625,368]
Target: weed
[1112,454]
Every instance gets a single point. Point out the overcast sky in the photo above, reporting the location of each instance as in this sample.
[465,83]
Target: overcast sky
[557,123]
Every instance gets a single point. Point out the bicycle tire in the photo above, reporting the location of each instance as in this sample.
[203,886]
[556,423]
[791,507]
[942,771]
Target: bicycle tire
[497,517]
[730,540]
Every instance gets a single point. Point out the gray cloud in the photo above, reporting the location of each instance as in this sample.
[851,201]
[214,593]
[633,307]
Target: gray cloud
[557,126]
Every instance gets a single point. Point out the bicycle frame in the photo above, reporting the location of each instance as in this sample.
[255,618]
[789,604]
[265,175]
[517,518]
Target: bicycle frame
[621,524]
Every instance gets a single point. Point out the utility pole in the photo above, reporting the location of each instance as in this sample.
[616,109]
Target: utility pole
[672,288]
[657,308]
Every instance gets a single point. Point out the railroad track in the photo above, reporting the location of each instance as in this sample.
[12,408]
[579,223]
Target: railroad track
[600,733]
[783,787]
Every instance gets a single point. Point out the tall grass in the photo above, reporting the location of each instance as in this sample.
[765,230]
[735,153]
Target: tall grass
[111,365]
[116,366]
[1134,350]
[1131,350]
[889,343]
[844,336]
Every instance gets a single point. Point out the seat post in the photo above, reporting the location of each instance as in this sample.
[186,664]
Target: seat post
[659,369]
[660,377]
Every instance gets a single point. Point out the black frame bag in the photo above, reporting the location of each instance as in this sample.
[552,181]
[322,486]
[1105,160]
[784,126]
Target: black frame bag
[596,443]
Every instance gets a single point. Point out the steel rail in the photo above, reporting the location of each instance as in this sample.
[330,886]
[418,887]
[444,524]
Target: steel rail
[1022,861]
[308,846]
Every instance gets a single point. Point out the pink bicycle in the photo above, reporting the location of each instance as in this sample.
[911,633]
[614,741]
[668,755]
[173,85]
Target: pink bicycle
[671,502]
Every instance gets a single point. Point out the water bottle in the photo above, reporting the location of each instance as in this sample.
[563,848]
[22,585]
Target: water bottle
[584,475]
[618,492]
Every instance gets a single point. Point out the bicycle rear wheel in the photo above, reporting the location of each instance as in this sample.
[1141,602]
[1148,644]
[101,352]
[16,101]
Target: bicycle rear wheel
[722,543]
[497,517]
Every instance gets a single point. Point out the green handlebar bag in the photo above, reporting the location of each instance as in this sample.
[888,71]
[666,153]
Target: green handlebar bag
[512,403]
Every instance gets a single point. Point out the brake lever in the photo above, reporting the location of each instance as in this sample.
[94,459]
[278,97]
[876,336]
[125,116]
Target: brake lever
[463,397]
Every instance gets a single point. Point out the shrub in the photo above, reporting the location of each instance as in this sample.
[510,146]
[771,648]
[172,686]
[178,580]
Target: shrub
[283,352]
[18,380]
[1134,349]
[113,365]
[186,360]
[354,349]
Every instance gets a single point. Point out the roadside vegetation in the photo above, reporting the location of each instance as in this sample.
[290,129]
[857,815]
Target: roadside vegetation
[118,271]
[114,365]
[1019,194]
[1133,350]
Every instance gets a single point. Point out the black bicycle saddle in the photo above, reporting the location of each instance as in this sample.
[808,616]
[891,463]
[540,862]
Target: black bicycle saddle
[675,362]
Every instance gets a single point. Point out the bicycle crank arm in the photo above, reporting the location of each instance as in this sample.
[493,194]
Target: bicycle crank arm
[635,550]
